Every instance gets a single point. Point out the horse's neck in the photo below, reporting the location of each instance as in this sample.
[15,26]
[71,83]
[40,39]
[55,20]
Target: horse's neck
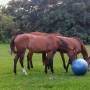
[83,49]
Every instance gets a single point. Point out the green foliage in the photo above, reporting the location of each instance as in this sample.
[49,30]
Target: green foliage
[69,17]
[7,27]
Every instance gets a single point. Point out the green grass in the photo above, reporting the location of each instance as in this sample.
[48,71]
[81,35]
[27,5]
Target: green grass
[36,78]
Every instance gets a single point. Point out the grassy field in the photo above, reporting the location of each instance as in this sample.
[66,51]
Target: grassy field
[36,78]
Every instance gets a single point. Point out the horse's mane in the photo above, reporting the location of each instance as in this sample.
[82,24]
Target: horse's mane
[82,44]
[78,39]
[18,31]
[63,42]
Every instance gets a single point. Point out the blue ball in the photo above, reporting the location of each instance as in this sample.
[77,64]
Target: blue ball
[79,67]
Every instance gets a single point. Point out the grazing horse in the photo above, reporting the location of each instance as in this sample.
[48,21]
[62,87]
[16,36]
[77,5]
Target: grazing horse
[39,44]
[73,41]
[79,48]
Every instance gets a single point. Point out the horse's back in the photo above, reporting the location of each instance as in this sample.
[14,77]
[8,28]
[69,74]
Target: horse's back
[76,43]
[47,34]
[38,33]
[21,40]
[39,43]
[73,42]
[36,43]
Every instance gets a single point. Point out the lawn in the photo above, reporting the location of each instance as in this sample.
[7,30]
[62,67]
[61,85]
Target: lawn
[36,78]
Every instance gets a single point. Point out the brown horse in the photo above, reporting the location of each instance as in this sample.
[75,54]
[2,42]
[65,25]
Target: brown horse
[39,44]
[30,54]
[73,41]
[79,48]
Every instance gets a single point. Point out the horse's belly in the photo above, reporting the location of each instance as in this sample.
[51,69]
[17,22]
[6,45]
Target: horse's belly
[39,50]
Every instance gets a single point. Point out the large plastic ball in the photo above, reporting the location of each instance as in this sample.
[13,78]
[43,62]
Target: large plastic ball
[79,67]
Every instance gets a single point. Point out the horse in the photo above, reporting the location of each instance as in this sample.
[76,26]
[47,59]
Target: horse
[73,41]
[79,48]
[39,44]
[30,54]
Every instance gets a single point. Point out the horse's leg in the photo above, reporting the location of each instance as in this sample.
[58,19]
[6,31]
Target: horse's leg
[72,56]
[50,56]
[28,64]
[43,58]
[51,65]
[46,65]
[21,62]
[68,65]
[29,60]
[15,62]
[69,62]
[63,59]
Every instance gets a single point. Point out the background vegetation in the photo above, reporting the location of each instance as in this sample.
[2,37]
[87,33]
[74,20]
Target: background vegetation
[69,17]
[36,79]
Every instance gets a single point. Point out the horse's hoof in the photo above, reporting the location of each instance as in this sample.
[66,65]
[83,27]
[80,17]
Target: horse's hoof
[52,72]
[26,74]
[31,66]
[66,71]
[46,72]
[65,67]
[15,72]
[28,68]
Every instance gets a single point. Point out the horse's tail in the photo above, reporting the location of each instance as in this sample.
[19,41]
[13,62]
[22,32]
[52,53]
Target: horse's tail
[12,46]
[43,58]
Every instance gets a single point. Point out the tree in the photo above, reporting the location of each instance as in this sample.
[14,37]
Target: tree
[69,17]
[7,27]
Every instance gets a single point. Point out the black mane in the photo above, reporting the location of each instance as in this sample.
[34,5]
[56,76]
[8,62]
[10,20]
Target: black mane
[18,31]
[64,43]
